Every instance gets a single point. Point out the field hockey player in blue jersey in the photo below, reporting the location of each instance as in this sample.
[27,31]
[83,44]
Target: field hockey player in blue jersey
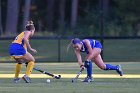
[93,49]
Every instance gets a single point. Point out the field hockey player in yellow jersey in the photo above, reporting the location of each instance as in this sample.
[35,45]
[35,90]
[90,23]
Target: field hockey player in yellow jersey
[18,50]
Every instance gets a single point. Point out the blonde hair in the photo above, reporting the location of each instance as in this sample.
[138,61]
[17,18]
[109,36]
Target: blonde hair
[69,45]
[30,23]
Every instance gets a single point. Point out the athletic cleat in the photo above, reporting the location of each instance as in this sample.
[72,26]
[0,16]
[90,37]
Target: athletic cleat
[88,79]
[26,79]
[16,80]
[119,70]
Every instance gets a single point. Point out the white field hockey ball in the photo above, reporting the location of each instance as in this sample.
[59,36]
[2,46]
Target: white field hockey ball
[48,81]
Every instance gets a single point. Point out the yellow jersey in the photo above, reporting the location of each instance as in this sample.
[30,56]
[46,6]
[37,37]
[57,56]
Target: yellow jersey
[20,40]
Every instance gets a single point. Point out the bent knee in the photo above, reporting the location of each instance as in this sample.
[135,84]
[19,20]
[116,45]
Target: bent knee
[102,67]
[32,59]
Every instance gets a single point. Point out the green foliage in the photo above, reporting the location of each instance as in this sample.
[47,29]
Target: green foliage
[121,19]
[125,12]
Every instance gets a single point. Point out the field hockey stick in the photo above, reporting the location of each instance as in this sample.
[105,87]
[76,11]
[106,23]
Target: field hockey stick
[45,72]
[77,76]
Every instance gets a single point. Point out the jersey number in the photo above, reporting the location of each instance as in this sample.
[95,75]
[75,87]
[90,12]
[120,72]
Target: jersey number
[16,38]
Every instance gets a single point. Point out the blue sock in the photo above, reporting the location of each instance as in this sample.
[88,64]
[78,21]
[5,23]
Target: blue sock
[110,67]
[88,65]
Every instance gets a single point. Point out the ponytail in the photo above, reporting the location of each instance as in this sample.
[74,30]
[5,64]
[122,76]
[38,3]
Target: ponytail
[69,45]
[73,41]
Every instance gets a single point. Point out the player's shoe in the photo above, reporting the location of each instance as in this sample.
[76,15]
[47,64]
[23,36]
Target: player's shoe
[26,79]
[119,70]
[16,80]
[88,79]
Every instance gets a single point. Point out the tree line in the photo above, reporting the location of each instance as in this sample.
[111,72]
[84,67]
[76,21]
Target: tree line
[71,17]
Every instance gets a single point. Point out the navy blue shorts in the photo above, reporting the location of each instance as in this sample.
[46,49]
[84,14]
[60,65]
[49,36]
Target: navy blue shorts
[16,49]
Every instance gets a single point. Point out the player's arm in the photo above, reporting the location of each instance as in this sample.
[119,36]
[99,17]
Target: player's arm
[79,58]
[90,50]
[26,36]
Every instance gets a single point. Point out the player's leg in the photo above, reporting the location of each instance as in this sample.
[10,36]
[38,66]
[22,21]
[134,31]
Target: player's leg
[17,69]
[30,59]
[16,51]
[88,64]
[99,62]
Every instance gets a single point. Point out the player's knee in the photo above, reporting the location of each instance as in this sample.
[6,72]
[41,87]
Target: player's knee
[19,62]
[87,63]
[31,63]
[102,67]
[31,59]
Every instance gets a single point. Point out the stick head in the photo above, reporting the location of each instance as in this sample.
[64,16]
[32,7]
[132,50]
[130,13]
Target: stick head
[73,80]
[58,77]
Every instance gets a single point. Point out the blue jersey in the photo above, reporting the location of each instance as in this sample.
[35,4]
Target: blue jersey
[93,44]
